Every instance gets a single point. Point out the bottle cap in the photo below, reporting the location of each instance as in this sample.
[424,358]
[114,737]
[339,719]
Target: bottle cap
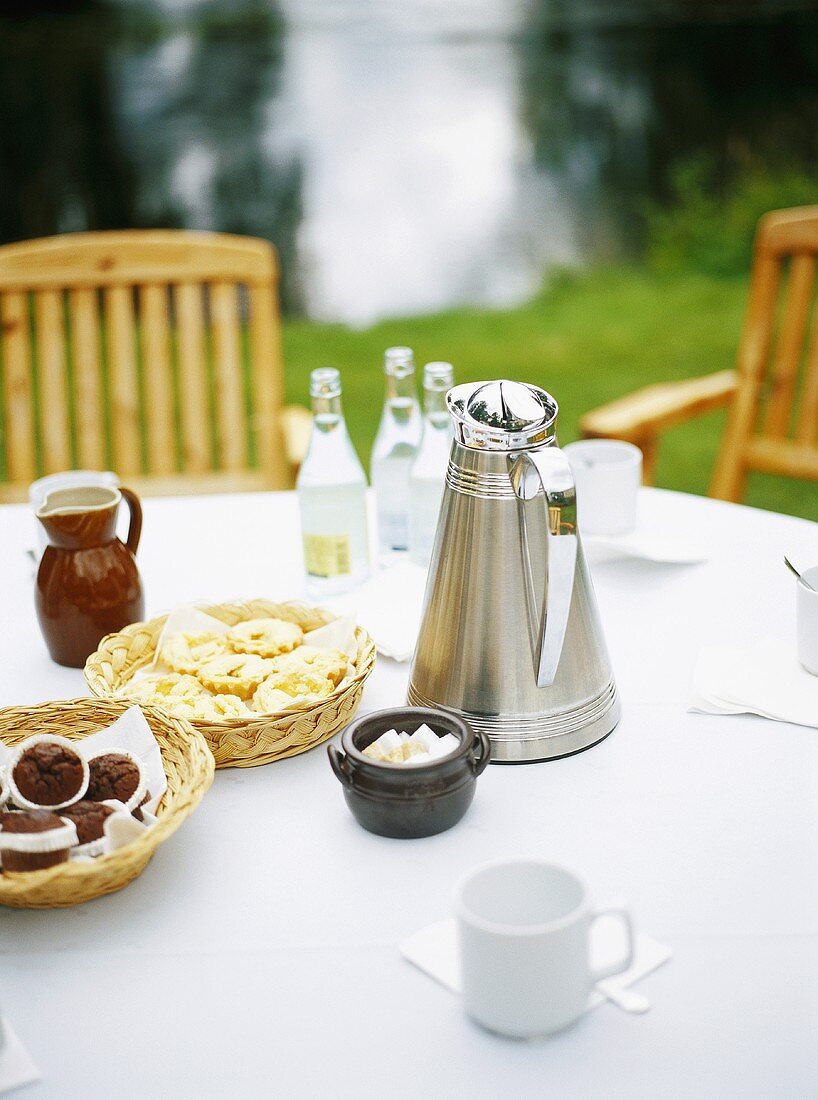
[438,376]
[325,382]
[399,362]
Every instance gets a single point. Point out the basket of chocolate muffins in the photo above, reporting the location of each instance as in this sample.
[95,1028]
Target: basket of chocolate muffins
[78,820]
[261,681]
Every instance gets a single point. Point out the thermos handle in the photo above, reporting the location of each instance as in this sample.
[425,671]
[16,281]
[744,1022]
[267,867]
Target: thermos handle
[549,468]
[135,525]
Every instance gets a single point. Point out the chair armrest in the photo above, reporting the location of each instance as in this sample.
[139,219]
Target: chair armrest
[644,414]
[296,424]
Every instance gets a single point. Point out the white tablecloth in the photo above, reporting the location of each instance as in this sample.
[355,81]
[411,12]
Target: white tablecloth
[256,956]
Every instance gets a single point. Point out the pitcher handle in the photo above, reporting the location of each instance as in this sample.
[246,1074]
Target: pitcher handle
[549,468]
[135,525]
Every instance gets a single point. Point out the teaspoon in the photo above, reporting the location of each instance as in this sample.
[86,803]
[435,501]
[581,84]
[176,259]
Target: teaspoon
[793,570]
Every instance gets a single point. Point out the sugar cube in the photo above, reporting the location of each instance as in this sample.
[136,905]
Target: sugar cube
[413,748]
[426,736]
[446,744]
[421,757]
[388,742]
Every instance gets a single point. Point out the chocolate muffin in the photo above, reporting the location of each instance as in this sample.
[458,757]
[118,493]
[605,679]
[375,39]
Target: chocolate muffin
[89,818]
[48,772]
[115,775]
[33,839]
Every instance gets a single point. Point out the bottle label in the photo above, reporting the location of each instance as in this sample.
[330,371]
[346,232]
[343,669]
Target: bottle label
[327,555]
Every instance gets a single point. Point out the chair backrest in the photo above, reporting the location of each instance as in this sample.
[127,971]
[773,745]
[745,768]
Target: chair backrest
[773,421]
[153,353]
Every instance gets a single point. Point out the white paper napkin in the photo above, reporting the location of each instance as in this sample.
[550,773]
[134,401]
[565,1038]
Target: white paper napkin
[389,605]
[644,545]
[763,678]
[16,1064]
[131,733]
[434,951]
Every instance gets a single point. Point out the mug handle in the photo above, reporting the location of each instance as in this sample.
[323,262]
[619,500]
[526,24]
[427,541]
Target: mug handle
[623,964]
[339,765]
[135,526]
[481,753]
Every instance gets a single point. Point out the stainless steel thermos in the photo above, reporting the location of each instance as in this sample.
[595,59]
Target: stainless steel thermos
[510,636]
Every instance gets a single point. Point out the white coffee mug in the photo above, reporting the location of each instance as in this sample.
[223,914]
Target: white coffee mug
[806,616]
[524,926]
[607,474]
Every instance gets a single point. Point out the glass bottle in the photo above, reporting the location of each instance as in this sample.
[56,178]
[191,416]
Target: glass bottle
[394,451]
[332,495]
[428,473]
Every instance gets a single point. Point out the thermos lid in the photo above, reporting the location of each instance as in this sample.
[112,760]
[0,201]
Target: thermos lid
[502,415]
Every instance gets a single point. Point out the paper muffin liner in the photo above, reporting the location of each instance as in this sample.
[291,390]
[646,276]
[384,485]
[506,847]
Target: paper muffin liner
[93,848]
[142,785]
[40,738]
[52,840]
[5,793]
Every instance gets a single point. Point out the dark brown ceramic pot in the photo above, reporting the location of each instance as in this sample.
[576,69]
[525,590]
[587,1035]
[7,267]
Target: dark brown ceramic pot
[409,801]
[88,584]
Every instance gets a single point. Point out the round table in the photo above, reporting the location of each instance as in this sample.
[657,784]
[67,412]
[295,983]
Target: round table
[256,955]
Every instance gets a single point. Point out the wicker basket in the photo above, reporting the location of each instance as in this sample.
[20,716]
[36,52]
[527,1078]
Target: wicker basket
[188,765]
[242,742]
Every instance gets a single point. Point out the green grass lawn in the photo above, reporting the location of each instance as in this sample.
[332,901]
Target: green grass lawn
[586,338]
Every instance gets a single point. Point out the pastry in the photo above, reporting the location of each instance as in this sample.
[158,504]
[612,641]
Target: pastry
[235,674]
[266,637]
[117,775]
[186,653]
[269,699]
[298,685]
[218,708]
[306,675]
[180,706]
[157,687]
[330,663]
[46,772]
[33,839]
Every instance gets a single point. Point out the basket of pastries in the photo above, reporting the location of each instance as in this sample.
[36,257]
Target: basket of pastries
[260,680]
[89,789]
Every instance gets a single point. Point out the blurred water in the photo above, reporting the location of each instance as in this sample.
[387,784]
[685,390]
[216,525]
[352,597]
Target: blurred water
[403,155]
[419,181]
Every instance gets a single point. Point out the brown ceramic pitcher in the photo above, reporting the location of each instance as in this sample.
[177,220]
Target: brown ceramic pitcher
[88,584]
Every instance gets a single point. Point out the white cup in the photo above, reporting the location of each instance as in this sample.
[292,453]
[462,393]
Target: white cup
[607,474]
[66,479]
[524,927]
[806,616]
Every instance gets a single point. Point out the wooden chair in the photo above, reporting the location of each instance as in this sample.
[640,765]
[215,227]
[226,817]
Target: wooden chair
[772,424]
[153,353]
